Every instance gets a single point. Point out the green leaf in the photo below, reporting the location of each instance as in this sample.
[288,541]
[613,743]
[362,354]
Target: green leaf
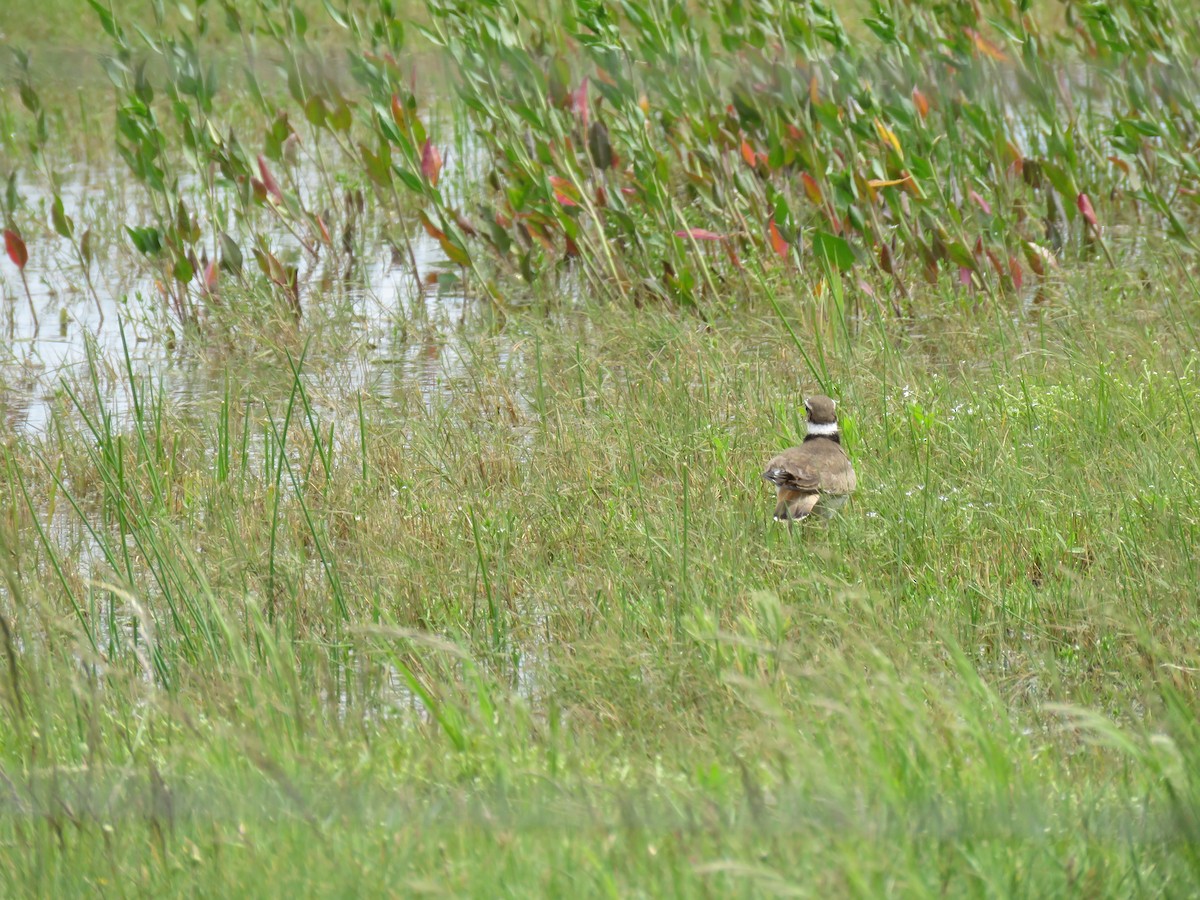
[340,119]
[1062,181]
[836,252]
[315,112]
[411,181]
[146,239]
[106,19]
[62,222]
[378,165]
[10,193]
[961,256]
[337,17]
[183,270]
[231,255]
[454,252]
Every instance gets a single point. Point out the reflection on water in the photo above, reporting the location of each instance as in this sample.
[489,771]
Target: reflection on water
[399,330]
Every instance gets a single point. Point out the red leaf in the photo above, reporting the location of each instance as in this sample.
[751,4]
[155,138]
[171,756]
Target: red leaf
[885,259]
[324,230]
[16,248]
[1035,261]
[1085,207]
[564,191]
[1014,269]
[984,46]
[430,229]
[210,275]
[399,113]
[431,162]
[964,276]
[748,154]
[995,261]
[733,257]
[811,188]
[601,196]
[700,234]
[465,224]
[778,244]
[268,179]
[983,204]
[921,102]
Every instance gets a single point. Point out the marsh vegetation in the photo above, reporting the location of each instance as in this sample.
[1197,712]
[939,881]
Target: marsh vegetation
[386,387]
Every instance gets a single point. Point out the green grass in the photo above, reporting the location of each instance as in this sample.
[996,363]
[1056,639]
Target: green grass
[535,633]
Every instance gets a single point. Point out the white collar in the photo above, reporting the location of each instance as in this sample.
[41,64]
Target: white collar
[827,429]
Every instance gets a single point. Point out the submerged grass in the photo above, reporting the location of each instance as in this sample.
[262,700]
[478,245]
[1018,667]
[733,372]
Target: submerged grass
[534,631]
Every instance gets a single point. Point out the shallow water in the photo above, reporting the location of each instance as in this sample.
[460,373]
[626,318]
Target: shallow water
[396,330]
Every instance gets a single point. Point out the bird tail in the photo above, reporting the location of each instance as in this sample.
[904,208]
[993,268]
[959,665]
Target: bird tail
[795,507]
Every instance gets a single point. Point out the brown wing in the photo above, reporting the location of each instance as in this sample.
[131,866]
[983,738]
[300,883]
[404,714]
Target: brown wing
[816,466]
[837,474]
[793,470]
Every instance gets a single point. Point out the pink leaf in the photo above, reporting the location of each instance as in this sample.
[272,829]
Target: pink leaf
[211,275]
[431,162]
[700,234]
[268,179]
[1085,207]
[964,276]
[579,102]
[983,204]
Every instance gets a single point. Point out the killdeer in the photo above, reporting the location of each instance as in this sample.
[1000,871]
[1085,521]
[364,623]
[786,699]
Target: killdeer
[817,475]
